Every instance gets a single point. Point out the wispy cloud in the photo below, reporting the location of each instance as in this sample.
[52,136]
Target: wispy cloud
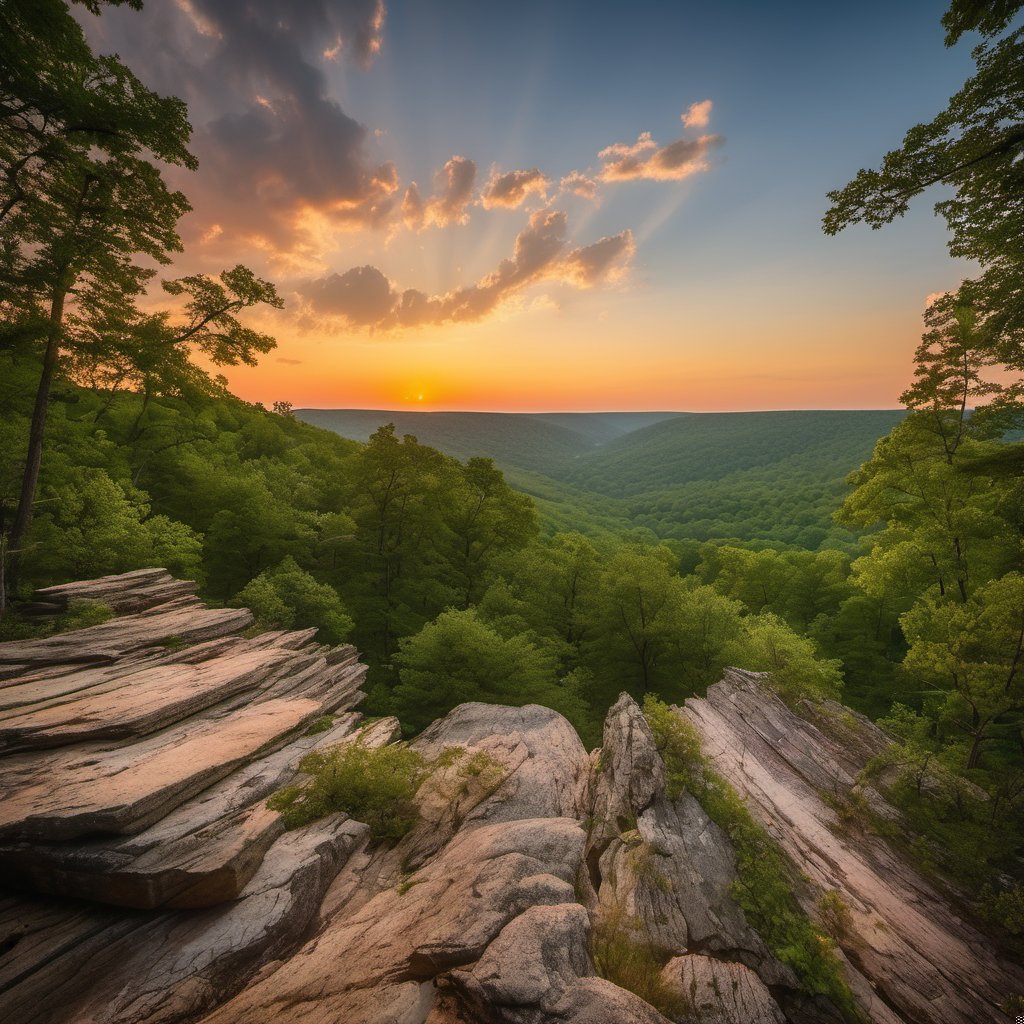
[697,115]
[647,160]
[513,188]
[579,184]
[365,297]
[453,192]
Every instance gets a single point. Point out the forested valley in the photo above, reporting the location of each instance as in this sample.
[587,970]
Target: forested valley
[899,591]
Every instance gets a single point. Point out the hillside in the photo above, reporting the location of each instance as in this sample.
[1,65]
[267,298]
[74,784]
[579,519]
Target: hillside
[761,477]
[543,443]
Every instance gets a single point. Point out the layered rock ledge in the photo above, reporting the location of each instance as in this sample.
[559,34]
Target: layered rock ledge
[146,880]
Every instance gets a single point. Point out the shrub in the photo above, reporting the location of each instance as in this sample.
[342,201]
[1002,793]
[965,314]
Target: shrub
[79,615]
[375,786]
[288,596]
[624,955]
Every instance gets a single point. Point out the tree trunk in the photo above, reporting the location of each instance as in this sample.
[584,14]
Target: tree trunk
[34,456]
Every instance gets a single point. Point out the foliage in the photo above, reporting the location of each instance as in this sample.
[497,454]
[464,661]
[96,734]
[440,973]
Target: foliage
[973,147]
[372,785]
[79,615]
[764,478]
[797,672]
[973,653]
[288,596]
[1005,909]
[459,658]
[625,955]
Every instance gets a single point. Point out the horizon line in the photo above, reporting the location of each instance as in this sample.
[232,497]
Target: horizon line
[586,412]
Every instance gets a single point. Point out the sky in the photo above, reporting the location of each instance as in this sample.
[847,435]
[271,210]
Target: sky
[566,205]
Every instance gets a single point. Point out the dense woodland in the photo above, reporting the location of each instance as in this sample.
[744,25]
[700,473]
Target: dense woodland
[762,479]
[117,451]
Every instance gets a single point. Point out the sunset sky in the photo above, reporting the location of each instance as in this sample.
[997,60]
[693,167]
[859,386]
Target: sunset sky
[556,206]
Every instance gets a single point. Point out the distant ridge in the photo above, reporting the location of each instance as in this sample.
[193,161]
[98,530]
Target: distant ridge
[773,477]
[540,442]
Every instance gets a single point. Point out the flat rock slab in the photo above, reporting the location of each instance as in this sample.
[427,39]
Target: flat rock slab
[184,620]
[126,789]
[127,592]
[78,963]
[203,853]
[137,703]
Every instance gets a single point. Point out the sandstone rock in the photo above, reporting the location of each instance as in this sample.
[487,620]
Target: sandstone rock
[538,969]
[123,593]
[719,992]
[82,963]
[138,757]
[673,870]
[128,788]
[545,763]
[912,955]
[377,965]
[139,702]
[183,620]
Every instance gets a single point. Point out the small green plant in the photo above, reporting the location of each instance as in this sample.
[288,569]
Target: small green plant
[645,867]
[834,913]
[624,954]
[406,884]
[1005,909]
[448,757]
[79,615]
[321,724]
[1014,1005]
[372,785]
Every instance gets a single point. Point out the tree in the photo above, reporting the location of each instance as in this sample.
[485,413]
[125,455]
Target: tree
[82,199]
[633,622]
[459,658]
[400,490]
[546,588]
[706,626]
[767,644]
[487,519]
[974,146]
[974,653]
[288,596]
[944,528]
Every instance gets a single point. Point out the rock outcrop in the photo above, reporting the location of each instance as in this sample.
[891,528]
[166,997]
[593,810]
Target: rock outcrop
[147,880]
[912,955]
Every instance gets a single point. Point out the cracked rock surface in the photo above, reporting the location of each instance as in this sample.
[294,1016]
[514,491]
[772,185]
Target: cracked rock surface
[147,881]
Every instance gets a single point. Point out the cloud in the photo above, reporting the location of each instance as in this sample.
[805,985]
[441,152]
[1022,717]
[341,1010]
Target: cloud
[453,191]
[697,115]
[273,144]
[362,295]
[365,297]
[601,261]
[289,362]
[579,184]
[511,189]
[624,151]
[646,160]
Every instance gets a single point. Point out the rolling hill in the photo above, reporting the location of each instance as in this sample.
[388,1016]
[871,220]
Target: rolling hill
[759,477]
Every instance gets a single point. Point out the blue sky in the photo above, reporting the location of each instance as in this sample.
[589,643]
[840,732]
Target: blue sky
[723,293]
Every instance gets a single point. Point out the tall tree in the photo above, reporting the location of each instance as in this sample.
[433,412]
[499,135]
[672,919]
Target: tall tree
[82,200]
